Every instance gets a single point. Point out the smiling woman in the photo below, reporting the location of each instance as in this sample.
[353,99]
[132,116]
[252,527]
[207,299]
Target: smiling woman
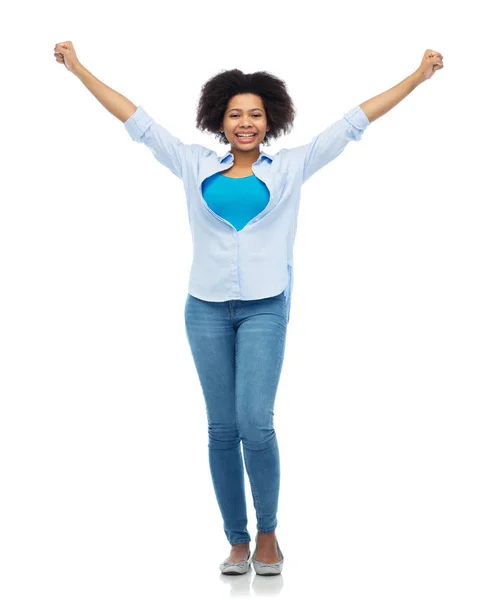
[243,214]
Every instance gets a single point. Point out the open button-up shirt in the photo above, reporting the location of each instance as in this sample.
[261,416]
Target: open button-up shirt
[257,261]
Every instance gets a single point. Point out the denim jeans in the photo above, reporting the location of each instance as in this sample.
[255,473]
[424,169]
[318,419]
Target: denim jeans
[238,349]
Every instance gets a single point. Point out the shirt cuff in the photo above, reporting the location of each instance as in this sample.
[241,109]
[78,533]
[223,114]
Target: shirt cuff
[138,123]
[358,119]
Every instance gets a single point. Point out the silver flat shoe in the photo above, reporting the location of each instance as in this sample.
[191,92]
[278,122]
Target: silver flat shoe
[237,568]
[266,568]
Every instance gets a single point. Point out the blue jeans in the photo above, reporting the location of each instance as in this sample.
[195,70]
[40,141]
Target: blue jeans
[238,349]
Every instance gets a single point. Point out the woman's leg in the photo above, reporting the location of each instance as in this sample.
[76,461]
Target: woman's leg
[260,346]
[211,335]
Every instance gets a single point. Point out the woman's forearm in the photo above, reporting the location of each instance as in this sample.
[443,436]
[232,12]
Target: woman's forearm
[113,101]
[377,106]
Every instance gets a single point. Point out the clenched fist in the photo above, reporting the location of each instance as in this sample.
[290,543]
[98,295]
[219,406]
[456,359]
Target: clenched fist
[431,62]
[65,54]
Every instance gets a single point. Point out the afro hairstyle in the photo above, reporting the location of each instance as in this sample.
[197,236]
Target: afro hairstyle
[217,91]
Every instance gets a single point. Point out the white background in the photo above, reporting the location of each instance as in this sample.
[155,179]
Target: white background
[105,485]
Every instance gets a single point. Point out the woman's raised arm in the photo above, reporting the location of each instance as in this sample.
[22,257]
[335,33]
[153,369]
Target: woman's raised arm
[114,102]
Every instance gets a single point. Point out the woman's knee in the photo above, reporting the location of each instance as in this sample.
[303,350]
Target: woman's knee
[223,437]
[256,437]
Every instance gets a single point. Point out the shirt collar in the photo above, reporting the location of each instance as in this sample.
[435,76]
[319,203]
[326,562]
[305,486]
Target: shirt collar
[221,158]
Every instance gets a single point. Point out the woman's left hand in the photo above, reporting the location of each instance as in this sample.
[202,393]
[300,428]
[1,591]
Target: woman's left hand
[431,62]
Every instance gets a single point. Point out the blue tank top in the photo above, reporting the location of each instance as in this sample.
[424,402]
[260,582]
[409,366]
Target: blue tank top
[237,200]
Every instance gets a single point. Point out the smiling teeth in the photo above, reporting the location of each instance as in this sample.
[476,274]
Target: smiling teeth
[245,135]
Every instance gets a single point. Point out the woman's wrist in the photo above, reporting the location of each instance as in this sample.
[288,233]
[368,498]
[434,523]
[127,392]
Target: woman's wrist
[77,69]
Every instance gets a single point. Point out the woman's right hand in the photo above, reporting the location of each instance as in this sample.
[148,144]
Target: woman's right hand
[65,54]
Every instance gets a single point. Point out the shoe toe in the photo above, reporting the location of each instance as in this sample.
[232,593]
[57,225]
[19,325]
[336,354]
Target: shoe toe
[235,568]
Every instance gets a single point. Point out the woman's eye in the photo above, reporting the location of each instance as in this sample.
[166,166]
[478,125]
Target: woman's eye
[253,115]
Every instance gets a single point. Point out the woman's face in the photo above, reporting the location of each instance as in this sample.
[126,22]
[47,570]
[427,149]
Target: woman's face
[245,113]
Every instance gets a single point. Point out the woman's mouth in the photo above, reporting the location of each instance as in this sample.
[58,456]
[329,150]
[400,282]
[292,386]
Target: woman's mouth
[245,140]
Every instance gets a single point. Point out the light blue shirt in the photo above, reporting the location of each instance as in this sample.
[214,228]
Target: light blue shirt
[255,261]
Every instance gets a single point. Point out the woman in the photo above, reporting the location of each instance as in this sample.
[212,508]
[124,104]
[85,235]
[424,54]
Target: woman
[243,211]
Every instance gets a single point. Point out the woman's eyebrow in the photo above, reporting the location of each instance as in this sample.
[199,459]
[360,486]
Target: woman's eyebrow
[251,110]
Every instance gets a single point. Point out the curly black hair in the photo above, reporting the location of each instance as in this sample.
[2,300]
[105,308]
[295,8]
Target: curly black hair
[216,92]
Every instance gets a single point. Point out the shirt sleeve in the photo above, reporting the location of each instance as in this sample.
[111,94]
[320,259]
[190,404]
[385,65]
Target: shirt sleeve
[329,144]
[166,148]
